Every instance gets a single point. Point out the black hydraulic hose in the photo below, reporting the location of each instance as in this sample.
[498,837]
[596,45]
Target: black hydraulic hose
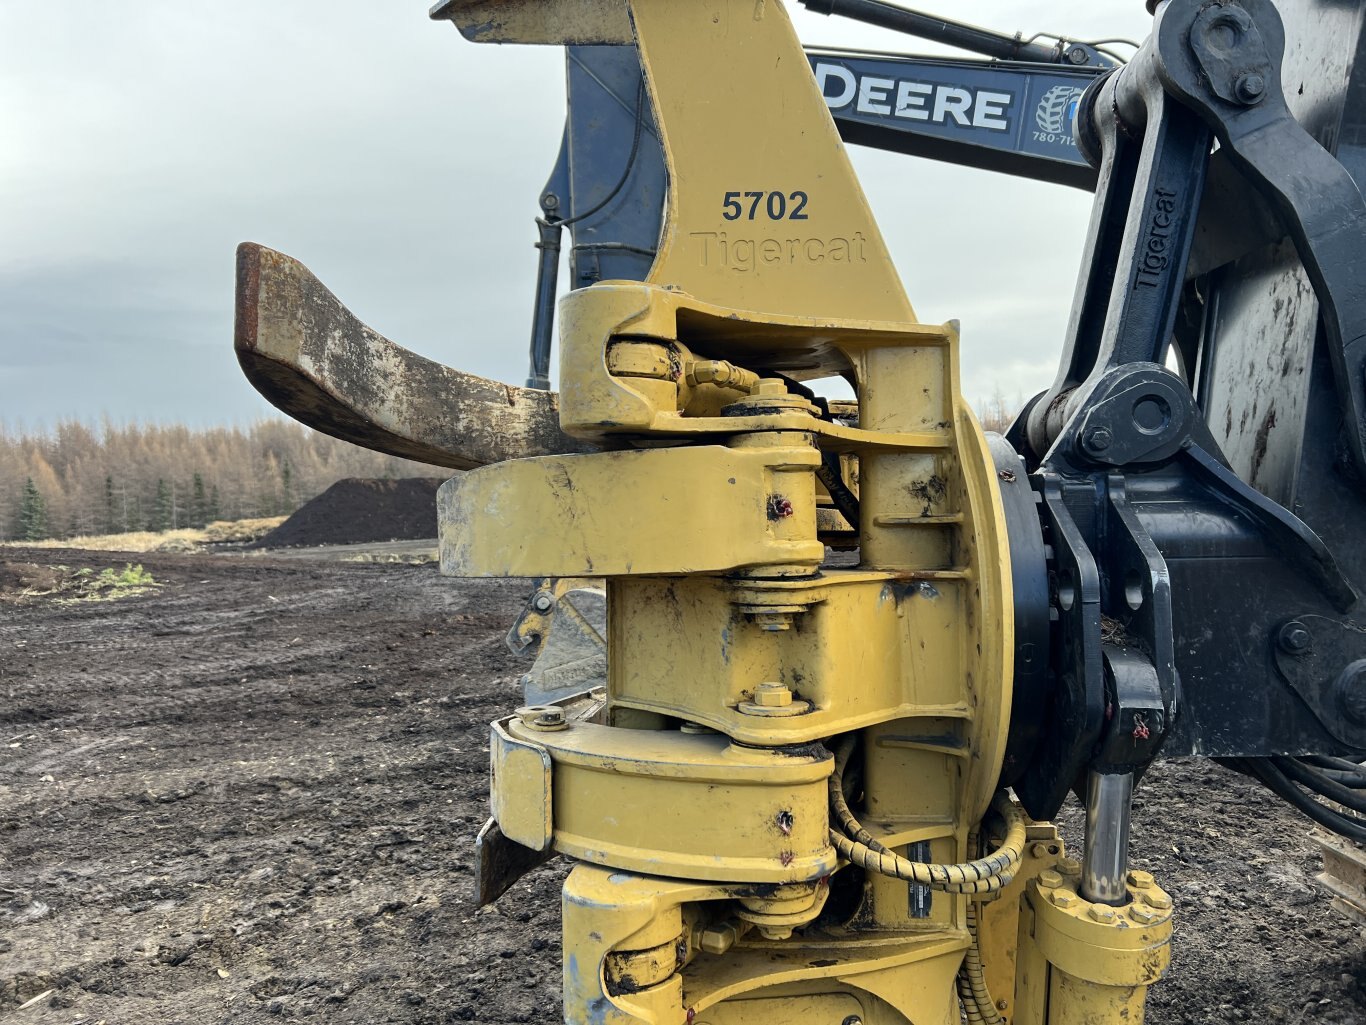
[989,874]
[1345,765]
[832,476]
[831,472]
[1355,780]
[1269,776]
[1321,784]
[630,161]
[543,313]
[941,30]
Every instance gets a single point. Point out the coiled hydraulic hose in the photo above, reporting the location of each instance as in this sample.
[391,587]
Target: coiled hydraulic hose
[978,1007]
[861,848]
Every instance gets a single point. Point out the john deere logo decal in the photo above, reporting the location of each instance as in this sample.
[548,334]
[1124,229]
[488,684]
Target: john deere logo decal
[1054,113]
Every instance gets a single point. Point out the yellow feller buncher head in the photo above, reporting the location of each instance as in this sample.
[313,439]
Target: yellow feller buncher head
[756,692]
[722,877]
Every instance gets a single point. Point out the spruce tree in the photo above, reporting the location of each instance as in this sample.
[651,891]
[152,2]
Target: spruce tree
[161,510]
[32,513]
[286,489]
[199,503]
[109,504]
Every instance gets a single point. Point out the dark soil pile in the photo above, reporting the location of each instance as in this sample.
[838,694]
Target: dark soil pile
[357,510]
[19,578]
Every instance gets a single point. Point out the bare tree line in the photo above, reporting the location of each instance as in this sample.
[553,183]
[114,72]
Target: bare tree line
[81,479]
[996,412]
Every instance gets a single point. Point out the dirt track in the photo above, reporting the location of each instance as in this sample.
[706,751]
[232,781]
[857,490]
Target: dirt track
[251,795]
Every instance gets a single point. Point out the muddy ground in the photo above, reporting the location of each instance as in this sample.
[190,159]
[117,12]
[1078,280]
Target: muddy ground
[249,795]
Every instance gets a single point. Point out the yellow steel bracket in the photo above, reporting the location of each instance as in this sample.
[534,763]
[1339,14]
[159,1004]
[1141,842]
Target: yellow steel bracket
[733,652]
[770,262]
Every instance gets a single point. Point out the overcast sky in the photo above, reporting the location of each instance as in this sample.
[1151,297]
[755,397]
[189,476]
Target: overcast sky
[142,141]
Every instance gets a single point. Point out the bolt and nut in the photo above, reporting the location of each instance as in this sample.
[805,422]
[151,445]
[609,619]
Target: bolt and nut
[772,695]
[1062,898]
[1098,440]
[1250,87]
[1050,879]
[543,602]
[769,386]
[1295,638]
[719,938]
[1157,899]
[1102,913]
[1142,914]
[1140,880]
[773,622]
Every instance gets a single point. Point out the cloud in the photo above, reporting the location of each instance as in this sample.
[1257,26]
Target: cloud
[402,164]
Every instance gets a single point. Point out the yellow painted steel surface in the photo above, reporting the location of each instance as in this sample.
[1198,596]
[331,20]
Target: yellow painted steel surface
[709,893]
[1090,964]
[685,503]
[734,813]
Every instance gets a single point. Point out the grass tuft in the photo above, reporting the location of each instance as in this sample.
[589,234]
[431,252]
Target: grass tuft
[187,539]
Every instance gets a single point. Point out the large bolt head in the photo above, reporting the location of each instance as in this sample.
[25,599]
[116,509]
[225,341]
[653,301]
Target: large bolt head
[769,387]
[1157,899]
[772,695]
[1102,913]
[1350,689]
[1140,880]
[543,717]
[1295,638]
[1098,440]
[1250,87]
[717,939]
[1142,914]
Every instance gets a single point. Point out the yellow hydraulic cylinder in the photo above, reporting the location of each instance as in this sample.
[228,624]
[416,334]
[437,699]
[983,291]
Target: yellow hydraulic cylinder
[1081,963]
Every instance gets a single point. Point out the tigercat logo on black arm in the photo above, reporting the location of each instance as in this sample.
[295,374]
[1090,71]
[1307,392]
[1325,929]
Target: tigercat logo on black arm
[1154,256]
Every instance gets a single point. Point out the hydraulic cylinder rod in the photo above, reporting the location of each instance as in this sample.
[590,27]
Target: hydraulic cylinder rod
[543,316]
[1105,858]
